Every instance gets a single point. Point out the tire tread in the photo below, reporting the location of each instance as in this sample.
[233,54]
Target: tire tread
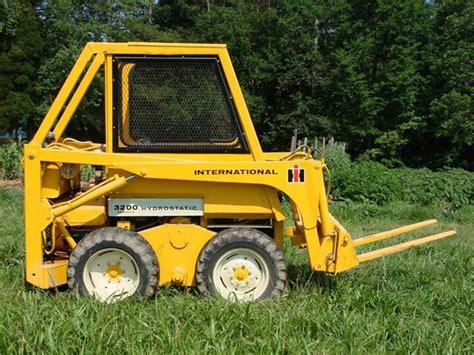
[249,235]
[122,237]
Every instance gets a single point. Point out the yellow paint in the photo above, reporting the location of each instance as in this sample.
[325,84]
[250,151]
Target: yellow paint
[403,246]
[178,276]
[98,191]
[126,70]
[246,199]
[392,233]
[174,175]
[241,274]
[53,275]
[177,262]
[87,215]
[66,235]
[114,272]
[54,185]
[124,224]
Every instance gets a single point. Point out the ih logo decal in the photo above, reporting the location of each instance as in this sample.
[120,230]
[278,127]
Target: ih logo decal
[296,174]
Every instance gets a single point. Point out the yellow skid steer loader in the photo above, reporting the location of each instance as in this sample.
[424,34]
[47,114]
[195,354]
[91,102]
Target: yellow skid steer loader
[183,193]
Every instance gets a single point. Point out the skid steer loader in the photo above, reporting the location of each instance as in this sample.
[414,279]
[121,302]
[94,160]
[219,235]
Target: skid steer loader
[183,193]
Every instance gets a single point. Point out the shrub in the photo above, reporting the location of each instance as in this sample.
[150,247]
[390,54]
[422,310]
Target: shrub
[367,182]
[449,189]
[10,158]
[339,165]
[371,182]
[335,156]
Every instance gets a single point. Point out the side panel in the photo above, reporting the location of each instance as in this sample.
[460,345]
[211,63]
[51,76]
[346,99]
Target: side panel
[221,200]
[177,247]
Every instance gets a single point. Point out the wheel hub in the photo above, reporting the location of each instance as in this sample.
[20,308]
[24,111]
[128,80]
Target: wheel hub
[241,274]
[114,272]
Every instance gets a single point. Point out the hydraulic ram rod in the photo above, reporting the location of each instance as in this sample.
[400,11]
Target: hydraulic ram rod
[105,187]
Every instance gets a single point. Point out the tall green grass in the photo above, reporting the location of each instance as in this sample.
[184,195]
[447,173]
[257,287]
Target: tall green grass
[419,301]
[10,161]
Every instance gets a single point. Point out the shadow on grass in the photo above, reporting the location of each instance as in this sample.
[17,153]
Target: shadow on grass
[301,276]
[50,291]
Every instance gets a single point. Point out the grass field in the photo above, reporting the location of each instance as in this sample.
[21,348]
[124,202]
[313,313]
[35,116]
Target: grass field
[419,301]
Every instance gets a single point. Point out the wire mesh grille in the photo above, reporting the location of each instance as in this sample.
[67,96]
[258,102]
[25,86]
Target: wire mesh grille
[174,104]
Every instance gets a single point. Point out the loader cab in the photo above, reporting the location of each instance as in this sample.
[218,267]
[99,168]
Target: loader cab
[174,104]
[179,104]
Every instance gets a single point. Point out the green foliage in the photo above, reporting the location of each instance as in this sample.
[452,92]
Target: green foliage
[21,46]
[334,154]
[367,181]
[449,131]
[449,189]
[392,79]
[370,182]
[11,155]
[339,166]
[87,173]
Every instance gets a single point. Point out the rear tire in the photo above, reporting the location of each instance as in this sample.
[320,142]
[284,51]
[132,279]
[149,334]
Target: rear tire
[241,264]
[112,264]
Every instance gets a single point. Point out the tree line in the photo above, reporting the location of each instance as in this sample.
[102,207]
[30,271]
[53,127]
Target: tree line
[392,79]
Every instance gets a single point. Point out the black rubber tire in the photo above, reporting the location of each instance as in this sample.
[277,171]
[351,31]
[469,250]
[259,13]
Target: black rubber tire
[119,238]
[242,238]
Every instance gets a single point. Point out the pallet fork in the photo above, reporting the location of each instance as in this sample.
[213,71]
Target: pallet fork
[375,254]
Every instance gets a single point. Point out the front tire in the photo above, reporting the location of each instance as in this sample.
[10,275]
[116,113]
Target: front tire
[241,264]
[112,264]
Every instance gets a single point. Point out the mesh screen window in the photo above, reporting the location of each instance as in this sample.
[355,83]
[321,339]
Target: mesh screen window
[166,104]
